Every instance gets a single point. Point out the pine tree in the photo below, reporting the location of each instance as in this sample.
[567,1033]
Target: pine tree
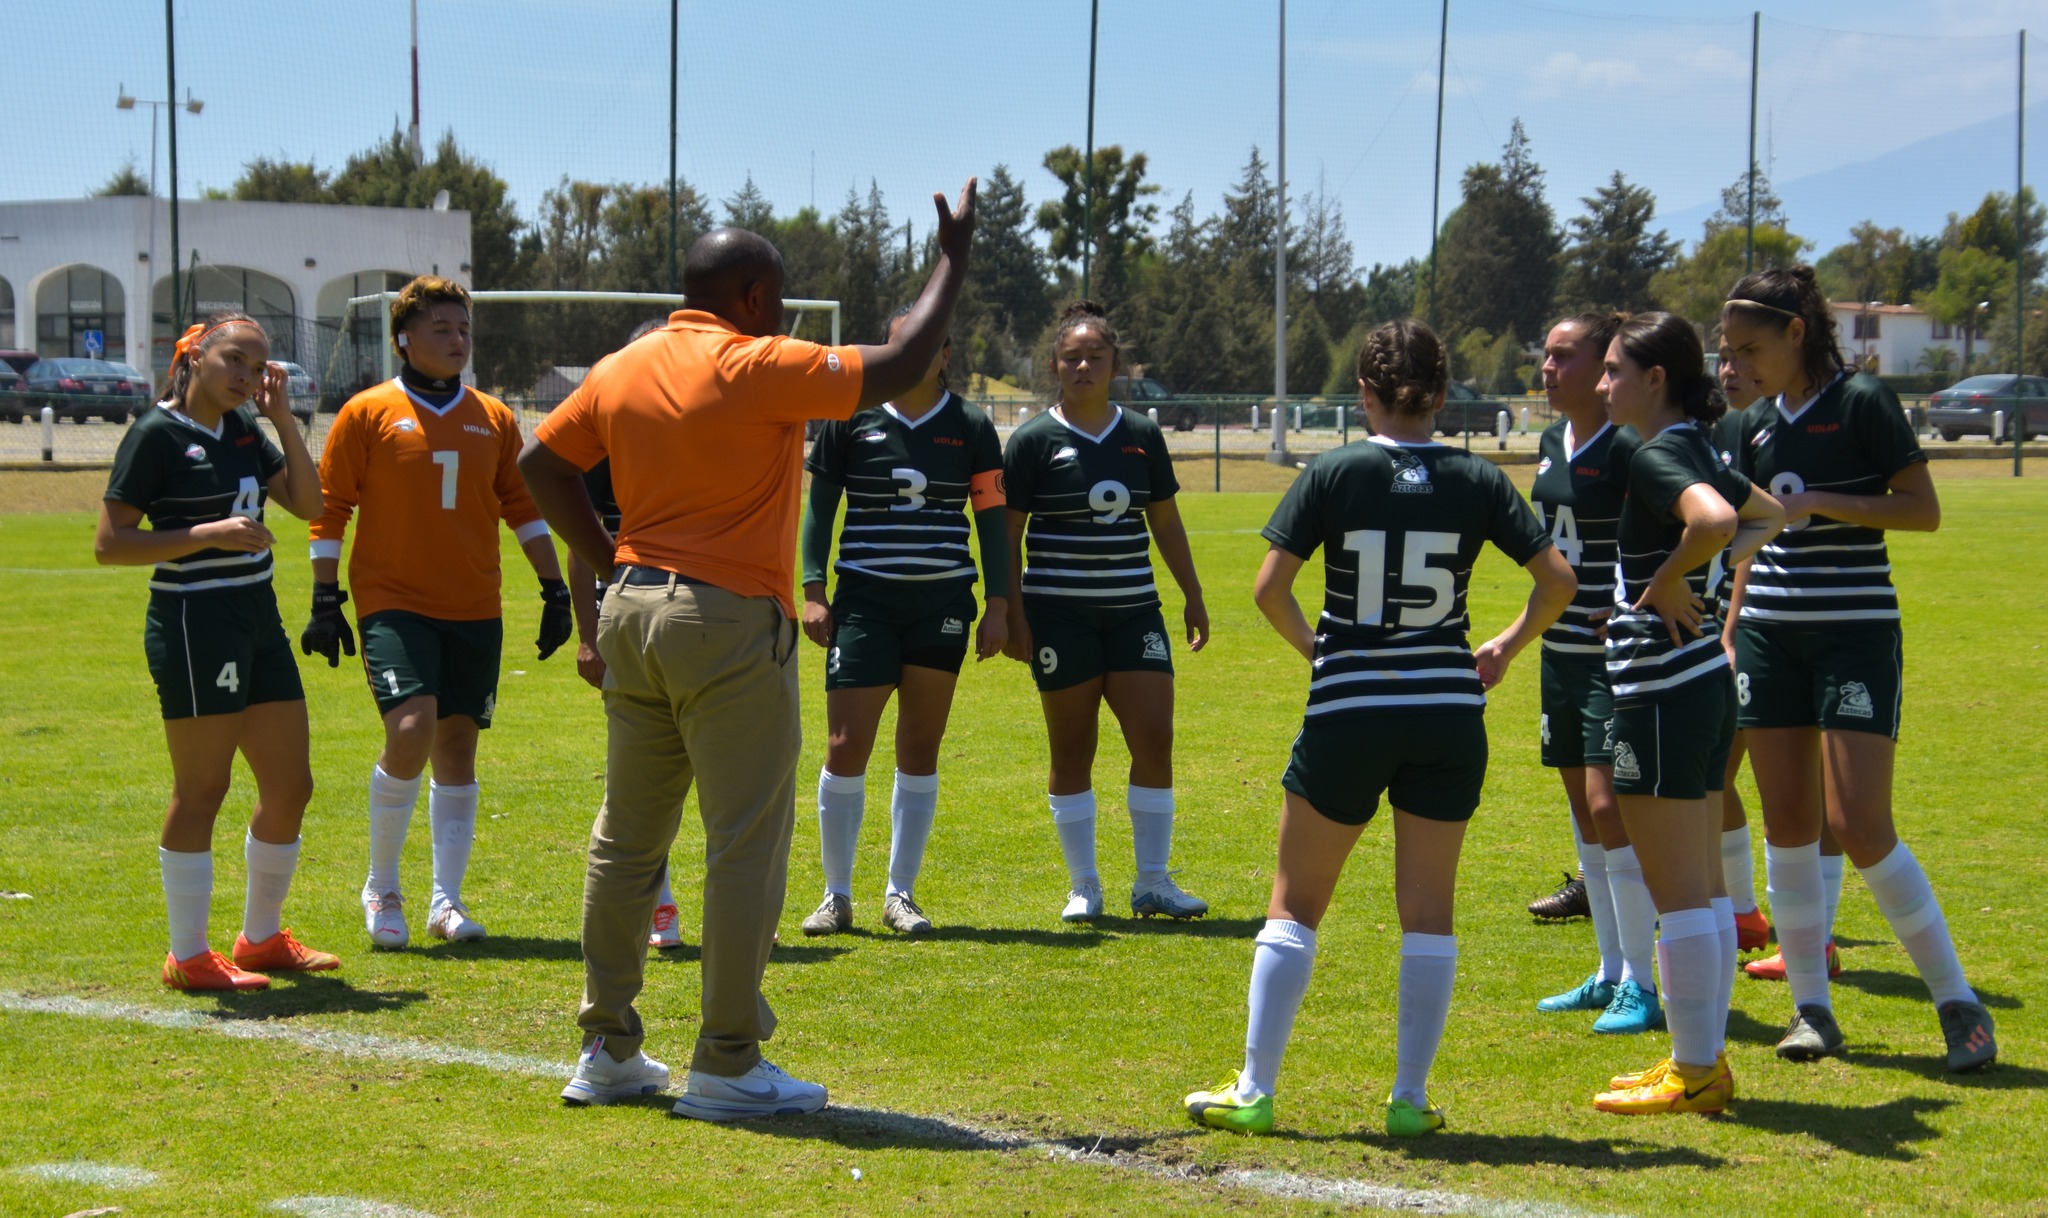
[1613,255]
[750,209]
[1497,256]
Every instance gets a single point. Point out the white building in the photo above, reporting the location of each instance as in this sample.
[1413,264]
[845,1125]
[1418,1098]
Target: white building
[72,268]
[1895,338]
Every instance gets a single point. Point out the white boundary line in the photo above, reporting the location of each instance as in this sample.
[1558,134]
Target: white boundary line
[1278,1184]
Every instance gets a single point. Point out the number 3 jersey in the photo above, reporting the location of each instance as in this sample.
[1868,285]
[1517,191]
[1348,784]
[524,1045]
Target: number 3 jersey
[1400,526]
[1087,545]
[1578,496]
[908,490]
[1852,439]
[427,487]
[180,474]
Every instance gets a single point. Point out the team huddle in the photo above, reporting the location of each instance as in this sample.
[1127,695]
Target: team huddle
[1705,584]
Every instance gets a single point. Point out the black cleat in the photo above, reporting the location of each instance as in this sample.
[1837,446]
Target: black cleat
[1569,901]
[1972,1041]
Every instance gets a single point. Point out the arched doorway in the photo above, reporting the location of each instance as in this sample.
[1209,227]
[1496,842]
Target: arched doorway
[214,289]
[78,301]
[6,313]
[350,344]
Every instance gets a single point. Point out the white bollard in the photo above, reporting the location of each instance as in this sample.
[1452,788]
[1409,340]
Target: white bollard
[1500,429]
[1997,425]
[1152,413]
[49,434]
[1023,415]
[1255,416]
[1525,420]
[1297,418]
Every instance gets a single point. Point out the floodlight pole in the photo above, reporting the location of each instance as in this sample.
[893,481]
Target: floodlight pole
[171,113]
[1088,159]
[413,136]
[1278,451]
[1436,182]
[672,65]
[2019,240]
[1756,33]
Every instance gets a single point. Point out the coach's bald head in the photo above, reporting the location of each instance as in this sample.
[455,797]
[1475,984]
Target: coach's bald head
[738,276]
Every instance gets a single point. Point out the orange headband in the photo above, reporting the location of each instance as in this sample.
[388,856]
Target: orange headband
[199,330]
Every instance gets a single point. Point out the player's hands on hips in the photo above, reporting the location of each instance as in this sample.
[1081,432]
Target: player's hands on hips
[956,224]
[1197,617]
[557,623]
[817,615]
[993,635]
[589,665]
[237,533]
[1018,645]
[1674,604]
[328,632]
[1599,619]
[273,400]
[1492,660]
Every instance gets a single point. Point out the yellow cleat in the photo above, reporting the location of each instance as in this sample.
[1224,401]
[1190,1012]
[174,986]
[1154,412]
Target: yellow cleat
[1672,1091]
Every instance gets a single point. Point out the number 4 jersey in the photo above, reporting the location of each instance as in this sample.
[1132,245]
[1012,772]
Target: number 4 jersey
[428,487]
[1087,544]
[1578,495]
[1400,526]
[180,474]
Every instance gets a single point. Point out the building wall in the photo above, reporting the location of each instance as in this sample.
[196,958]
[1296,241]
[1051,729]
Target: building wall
[1903,335]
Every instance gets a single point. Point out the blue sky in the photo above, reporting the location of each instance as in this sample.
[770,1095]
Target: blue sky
[811,97]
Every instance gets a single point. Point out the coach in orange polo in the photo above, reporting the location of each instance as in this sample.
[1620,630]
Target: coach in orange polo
[703,421]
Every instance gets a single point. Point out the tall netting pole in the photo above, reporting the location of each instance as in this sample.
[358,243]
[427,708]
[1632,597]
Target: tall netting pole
[2019,262]
[1279,449]
[171,111]
[1756,35]
[1436,181]
[672,65]
[1088,159]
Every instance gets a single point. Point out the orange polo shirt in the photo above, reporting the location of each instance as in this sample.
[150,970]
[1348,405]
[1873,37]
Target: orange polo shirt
[704,427]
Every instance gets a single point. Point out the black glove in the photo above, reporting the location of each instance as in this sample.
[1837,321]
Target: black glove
[328,633]
[557,624]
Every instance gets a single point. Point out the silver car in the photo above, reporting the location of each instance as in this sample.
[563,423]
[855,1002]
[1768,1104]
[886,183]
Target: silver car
[1970,406]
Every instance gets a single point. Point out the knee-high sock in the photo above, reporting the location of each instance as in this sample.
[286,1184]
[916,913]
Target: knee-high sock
[270,882]
[1738,869]
[1908,903]
[188,894]
[842,800]
[913,806]
[1283,959]
[1800,911]
[1690,952]
[1600,902]
[668,895]
[1151,828]
[1635,916]
[391,804]
[1074,817]
[1429,969]
[1724,922]
[451,813]
[1832,867]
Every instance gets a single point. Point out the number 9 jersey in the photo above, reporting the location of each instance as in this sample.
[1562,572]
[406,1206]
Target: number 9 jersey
[1400,526]
[1087,545]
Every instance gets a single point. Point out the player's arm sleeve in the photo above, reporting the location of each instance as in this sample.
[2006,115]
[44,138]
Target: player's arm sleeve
[1656,478]
[1516,532]
[1887,437]
[1296,525]
[1020,471]
[570,430]
[828,452]
[1159,464]
[788,380]
[515,504]
[269,458]
[342,460]
[814,544]
[138,469]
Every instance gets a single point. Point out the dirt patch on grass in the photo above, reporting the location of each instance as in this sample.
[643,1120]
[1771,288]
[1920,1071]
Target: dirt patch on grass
[78,490]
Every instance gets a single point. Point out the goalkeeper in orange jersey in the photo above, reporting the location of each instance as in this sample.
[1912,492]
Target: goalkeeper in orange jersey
[425,464]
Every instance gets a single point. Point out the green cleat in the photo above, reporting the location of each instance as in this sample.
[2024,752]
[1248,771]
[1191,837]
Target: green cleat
[1405,1120]
[1221,1109]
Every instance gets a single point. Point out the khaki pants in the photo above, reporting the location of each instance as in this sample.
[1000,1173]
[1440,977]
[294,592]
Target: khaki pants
[700,685]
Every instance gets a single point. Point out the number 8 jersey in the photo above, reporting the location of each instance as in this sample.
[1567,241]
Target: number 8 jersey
[1400,526]
[1087,545]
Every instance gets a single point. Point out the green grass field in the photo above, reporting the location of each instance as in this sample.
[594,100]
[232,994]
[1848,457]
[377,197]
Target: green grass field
[1007,1064]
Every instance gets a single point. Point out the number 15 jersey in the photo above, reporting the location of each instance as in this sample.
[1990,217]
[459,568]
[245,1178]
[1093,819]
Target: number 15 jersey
[1087,545]
[1400,526]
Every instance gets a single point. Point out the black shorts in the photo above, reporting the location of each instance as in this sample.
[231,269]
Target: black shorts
[1429,765]
[1577,709]
[1837,678]
[873,639]
[1071,644]
[406,655]
[219,652]
[1676,747]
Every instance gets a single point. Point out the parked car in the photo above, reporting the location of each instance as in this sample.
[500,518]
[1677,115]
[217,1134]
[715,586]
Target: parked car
[305,395]
[1969,407]
[80,389]
[18,360]
[12,407]
[1144,393]
[1466,409]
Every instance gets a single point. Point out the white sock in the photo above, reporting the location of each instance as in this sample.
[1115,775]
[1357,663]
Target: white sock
[1600,902]
[842,801]
[391,804]
[1283,959]
[1429,969]
[1738,868]
[1635,917]
[1793,876]
[451,813]
[913,805]
[1831,869]
[270,882]
[1908,903]
[188,894]
[1724,921]
[1690,952]
[1074,817]
[668,896]
[1151,829]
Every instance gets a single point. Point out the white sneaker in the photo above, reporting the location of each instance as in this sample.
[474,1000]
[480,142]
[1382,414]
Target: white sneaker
[667,930]
[384,917]
[600,1079]
[451,921]
[766,1090]
[1163,896]
[1084,903]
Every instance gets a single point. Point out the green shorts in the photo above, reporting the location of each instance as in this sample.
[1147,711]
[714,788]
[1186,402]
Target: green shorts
[217,653]
[872,639]
[406,655]
[1577,709]
[1430,765]
[1841,679]
[1071,644]
[1677,747]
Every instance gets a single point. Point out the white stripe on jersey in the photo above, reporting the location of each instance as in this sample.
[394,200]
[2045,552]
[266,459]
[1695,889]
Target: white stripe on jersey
[1126,590]
[203,564]
[1392,674]
[1750,610]
[1369,701]
[238,581]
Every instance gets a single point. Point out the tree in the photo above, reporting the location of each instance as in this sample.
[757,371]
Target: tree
[1734,211]
[126,183]
[1613,255]
[1990,229]
[1970,280]
[750,209]
[280,181]
[1321,260]
[1879,264]
[1695,288]
[1308,348]
[811,255]
[1389,293]
[1121,219]
[1006,302]
[385,176]
[1497,256]
[866,260]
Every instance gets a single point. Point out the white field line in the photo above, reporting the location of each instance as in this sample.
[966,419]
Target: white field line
[99,1175]
[937,1130]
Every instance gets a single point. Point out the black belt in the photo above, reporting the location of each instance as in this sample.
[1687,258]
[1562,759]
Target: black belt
[651,577]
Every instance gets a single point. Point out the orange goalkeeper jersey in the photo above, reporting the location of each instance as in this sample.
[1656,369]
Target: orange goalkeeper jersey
[428,488]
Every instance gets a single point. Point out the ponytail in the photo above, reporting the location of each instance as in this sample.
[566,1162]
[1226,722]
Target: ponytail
[192,344]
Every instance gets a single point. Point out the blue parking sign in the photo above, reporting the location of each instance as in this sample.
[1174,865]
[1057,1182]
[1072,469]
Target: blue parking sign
[95,344]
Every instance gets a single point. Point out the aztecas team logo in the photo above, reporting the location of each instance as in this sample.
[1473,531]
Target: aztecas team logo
[1155,645]
[1856,701]
[1625,764]
[1411,476]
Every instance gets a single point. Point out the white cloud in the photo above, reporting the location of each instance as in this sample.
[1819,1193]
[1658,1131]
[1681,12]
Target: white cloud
[1565,72]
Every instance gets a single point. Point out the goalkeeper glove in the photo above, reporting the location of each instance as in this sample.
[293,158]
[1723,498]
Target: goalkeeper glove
[556,622]
[328,632]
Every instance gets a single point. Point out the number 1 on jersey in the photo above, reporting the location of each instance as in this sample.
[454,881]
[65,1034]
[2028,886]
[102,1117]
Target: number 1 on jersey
[450,462]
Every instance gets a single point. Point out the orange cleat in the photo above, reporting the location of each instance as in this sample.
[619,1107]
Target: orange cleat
[1772,967]
[281,953]
[1752,930]
[209,970]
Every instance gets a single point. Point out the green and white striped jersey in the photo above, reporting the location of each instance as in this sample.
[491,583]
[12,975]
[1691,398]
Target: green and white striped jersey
[1087,544]
[181,474]
[1578,492]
